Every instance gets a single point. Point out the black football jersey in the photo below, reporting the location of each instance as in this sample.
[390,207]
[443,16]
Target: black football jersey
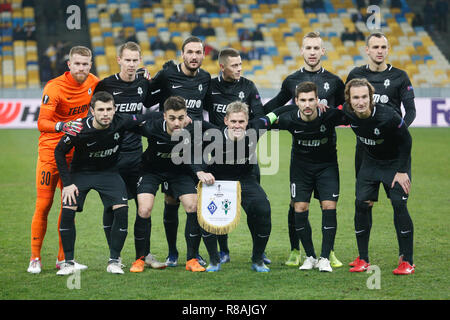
[233,159]
[392,86]
[130,98]
[171,81]
[313,141]
[329,86]
[95,150]
[221,93]
[384,135]
[159,153]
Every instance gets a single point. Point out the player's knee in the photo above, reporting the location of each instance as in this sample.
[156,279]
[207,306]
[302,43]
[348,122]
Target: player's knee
[362,207]
[117,206]
[145,211]
[301,206]
[190,206]
[328,205]
[74,208]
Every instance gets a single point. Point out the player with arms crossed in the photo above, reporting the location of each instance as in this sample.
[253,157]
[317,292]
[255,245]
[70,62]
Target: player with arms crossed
[131,94]
[387,143]
[191,82]
[65,99]
[94,166]
[392,88]
[314,167]
[330,92]
[229,87]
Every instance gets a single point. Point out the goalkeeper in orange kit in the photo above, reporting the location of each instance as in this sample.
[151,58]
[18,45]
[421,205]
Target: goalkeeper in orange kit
[65,99]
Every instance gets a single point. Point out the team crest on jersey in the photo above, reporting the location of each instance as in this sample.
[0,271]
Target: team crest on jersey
[323,128]
[200,87]
[241,95]
[387,83]
[116,136]
[89,91]
[140,91]
[376,131]
[326,86]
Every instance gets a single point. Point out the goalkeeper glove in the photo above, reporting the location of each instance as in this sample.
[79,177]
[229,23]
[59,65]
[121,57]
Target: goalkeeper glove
[70,127]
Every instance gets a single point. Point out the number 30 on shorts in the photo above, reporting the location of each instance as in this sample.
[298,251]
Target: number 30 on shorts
[45,178]
[293,190]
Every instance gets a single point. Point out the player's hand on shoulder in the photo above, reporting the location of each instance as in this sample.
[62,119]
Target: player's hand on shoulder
[323,107]
[143,72]
[72,127]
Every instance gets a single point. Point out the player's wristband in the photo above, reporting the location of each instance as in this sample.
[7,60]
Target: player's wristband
[59,126]
[272,117]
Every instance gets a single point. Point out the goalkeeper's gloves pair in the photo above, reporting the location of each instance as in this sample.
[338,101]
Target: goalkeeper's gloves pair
[70,127]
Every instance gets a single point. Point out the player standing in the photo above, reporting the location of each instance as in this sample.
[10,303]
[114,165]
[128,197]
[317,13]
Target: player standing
[314,167]
[392,87]
[191,82]
[330,92]
[387,143]
[229,87]
[65,99]
[131,94]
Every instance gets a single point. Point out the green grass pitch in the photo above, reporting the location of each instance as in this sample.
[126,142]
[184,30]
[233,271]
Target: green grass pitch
[428,204]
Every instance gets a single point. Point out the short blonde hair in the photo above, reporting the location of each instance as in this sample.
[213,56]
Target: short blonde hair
[81,50]
[130,45]
[237,106]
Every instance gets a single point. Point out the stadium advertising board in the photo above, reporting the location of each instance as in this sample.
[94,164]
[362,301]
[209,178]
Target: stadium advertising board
[23,113]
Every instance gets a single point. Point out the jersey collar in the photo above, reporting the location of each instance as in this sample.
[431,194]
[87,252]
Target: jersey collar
[389,67]
[321,70]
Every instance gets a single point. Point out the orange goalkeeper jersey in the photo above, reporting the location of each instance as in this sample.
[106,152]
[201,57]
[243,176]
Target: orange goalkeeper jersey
[63,99]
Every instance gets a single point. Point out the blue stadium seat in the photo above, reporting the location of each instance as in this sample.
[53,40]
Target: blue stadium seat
[427,57]
[332,34]
[99,51]
[357,58]
[272,51]
[415,58]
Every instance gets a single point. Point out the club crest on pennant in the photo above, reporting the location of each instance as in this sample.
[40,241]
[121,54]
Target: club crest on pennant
[226,206]
[212,207]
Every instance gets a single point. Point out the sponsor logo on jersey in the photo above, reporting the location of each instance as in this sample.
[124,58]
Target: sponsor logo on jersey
[103,153]
[77,110]
[193,103]
[312,142]
[370,142]
[129,107]
[221,108]
[380,98]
